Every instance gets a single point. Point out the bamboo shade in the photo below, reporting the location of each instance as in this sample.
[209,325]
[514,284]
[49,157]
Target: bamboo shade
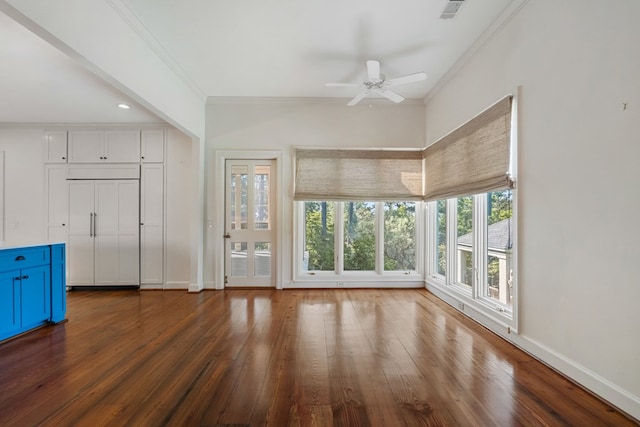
[473,158]
[371,175]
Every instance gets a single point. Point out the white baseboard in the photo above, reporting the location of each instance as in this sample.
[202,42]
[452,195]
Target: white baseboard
[600,386]
[195,288]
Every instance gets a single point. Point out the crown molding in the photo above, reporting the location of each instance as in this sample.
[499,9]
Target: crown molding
[500,22]
[257,100]
[131,19]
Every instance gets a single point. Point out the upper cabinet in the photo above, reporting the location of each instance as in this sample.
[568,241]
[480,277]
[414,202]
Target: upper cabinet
[94,146]
[152,146]
[55,146]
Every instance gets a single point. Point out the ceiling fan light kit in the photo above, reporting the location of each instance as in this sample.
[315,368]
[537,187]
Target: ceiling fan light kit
[377,84]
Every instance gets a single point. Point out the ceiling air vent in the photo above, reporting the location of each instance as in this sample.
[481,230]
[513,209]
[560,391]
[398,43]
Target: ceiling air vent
[450,10]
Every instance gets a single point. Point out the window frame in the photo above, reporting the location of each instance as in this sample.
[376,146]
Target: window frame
[476,297]
[339,276]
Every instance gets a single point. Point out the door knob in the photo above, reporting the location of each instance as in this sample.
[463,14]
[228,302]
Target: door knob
[227,235]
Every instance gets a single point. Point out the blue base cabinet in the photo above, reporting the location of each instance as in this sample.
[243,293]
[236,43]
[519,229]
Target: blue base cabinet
[32,288]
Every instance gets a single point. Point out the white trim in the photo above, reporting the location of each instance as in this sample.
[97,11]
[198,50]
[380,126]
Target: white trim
[355,284]
[252,100]
[593,382]
[132,20]
[501,22]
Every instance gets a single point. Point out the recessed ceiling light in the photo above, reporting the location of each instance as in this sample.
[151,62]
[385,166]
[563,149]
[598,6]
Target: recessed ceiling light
[124,106]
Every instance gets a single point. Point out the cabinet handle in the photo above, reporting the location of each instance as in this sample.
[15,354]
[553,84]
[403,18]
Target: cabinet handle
[64,158]
[95,223]
[20,258]
[90,224]
[25,277]
[17,278]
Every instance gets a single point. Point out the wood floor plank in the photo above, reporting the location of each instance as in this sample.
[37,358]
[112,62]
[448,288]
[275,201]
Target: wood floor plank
[279,358]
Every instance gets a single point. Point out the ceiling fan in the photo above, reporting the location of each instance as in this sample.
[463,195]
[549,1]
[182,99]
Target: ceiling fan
[378,84]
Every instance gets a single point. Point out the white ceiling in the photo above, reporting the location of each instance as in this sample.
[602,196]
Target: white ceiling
[248,48]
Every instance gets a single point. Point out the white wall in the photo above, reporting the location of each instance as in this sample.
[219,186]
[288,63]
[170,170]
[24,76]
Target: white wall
[280,125]
[180,184]
[25,210]
[577,62]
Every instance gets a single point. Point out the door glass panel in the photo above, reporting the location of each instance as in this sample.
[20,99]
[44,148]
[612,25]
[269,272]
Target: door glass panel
[239,259]
[359,236]
[262,259]
[262,197]
[238,197]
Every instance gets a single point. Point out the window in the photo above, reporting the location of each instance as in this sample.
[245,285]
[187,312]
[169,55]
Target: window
[319,248]
[399,236]
[359,237]
[499,248]
[464,241]
[480,249]
[441,238]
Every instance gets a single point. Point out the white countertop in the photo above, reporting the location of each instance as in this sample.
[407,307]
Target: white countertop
[10,245]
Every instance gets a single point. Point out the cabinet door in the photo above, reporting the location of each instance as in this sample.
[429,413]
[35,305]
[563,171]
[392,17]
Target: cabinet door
[57,203]
[151,223]
[80,239]
[152,146]
[35,295]
[122,147]
[117,242]
[9,303]
[86,146]
[55,147]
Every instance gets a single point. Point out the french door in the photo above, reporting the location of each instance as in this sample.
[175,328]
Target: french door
[249,223]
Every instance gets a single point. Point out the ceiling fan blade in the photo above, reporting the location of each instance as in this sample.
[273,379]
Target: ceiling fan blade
[373,70]
[392,96]
[407,79]
[358,98]
[343,84]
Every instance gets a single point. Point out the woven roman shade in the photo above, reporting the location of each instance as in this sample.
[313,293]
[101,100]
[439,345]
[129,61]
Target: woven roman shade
[371,175]
[473,158]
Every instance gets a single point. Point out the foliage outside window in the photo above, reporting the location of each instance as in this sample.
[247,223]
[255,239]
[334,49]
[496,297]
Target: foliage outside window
[319,236]
[375,236]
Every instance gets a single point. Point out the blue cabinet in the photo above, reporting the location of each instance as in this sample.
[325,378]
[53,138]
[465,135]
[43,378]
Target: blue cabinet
[32,288]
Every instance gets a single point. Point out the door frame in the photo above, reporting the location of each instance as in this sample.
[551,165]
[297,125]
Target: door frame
[217,203]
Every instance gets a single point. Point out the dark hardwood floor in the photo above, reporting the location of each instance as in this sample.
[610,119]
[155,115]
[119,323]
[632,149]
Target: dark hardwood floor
[280,358]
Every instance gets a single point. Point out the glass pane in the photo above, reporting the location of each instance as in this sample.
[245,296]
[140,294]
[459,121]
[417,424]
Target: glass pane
[441,237]
[359,236]
[238,259]
[261,197]
[499,246]
[465,240]
[318,236]
[238,198]
[262,259]
[400,236]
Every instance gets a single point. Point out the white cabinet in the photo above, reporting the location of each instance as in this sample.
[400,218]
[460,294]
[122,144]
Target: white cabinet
[103,233]
[55,146]
[57,202]
[151,223]
[152,146]
[93,146]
